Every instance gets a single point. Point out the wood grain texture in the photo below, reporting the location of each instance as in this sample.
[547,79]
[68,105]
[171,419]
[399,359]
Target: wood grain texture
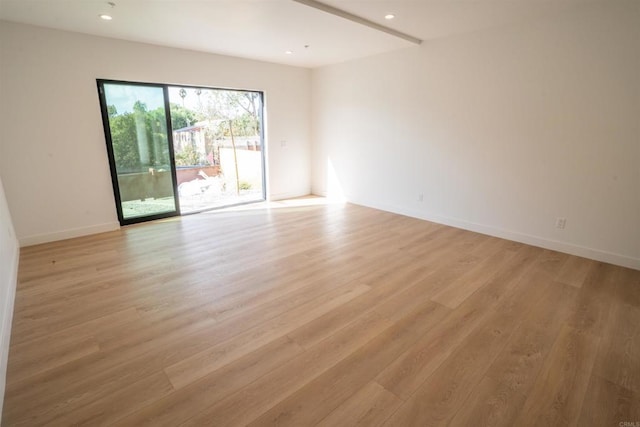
[316,399]
[369,406]
[503,390]
[621,342]
[307,313]
[441,395]
[412,368]
[608,404]
[558,394]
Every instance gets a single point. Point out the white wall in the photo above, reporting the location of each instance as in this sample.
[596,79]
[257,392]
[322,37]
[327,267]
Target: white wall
[8,277]
[52,149]
[502,131]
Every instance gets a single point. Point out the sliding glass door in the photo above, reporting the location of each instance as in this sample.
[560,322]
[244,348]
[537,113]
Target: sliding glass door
[136,124]
[181,149]
[217,137]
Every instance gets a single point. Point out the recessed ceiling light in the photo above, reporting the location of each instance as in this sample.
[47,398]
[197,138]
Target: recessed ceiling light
[106,16]
[288,52]
[389,16]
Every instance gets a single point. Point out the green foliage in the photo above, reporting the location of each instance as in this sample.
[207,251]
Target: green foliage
[242,108]
[244,185]
[123,136]
[111,110]
[182,117]
[139,138]
[188,157]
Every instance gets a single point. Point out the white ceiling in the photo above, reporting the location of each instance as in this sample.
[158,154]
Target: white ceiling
[265,29]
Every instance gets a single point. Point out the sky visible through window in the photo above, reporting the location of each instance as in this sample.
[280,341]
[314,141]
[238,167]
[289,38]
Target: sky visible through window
[123,97]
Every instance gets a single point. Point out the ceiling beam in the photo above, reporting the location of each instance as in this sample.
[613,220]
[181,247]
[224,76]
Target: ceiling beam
[357,19]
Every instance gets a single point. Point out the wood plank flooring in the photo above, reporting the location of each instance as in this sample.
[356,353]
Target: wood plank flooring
[302,313]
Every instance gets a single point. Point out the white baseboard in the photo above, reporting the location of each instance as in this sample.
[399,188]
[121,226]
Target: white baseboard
[569,248]
[67,234]
[5,326]
[287,195]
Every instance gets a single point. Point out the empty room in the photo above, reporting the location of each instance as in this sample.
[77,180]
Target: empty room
[331,212]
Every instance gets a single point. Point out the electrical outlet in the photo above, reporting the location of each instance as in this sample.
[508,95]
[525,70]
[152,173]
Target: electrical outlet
[561,223]
[283,143]
[420,197]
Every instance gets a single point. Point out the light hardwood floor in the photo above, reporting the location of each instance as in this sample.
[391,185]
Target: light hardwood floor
[332,315]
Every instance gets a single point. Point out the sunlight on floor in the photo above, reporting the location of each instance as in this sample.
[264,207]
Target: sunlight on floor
[296,203]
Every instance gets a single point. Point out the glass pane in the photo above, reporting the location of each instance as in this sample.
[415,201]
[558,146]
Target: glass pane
[138,124]
[217,139]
